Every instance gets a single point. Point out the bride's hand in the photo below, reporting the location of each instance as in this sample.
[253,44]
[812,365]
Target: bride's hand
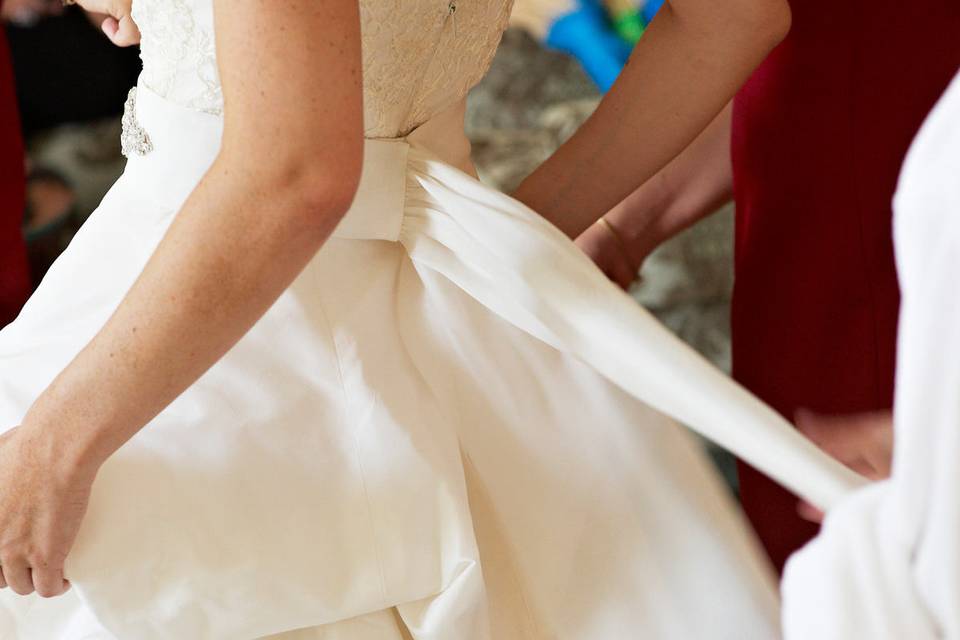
[43,497]
[118,25]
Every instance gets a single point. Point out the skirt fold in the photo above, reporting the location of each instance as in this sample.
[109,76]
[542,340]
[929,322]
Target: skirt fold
[452,427]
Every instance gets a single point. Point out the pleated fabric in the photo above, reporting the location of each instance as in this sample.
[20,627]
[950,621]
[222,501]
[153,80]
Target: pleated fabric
[450,426]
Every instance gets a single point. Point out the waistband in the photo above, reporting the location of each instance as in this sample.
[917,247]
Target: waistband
[172,147]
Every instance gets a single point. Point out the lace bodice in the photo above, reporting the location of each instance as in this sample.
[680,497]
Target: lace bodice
[419,56]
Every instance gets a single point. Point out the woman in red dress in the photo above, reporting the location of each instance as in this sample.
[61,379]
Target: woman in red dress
[817,135]
[14,279]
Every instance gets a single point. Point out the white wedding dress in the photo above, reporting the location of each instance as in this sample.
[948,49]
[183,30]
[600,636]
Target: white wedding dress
[449,427]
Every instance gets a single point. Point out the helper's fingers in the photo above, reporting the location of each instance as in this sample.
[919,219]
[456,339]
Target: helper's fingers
[122,32]
[841,437]
[620,273]
[852,439]
[607,256]
[110,26]
[809,512]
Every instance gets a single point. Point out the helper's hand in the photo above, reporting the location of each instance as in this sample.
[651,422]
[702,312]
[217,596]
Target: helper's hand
[118,24]
[863,442]
[609,253]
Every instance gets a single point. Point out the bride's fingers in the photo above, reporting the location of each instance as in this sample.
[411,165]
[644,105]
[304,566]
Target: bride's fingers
[49,582]
[3,582]
[17,575]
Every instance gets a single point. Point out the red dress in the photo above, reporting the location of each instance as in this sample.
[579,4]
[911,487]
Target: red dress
[14,279]
[819,134]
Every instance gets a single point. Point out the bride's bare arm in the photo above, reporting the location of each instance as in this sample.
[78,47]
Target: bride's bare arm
[687,66]
[286,174]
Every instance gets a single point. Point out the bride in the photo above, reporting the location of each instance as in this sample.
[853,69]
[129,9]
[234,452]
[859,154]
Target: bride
[302,375]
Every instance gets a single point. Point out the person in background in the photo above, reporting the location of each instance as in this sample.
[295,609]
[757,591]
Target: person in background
[65,69]
[811,148]
[66,72]
[14,276]
[886,565]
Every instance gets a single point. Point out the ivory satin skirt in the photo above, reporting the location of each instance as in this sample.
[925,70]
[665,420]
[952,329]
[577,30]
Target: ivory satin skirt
[450,426]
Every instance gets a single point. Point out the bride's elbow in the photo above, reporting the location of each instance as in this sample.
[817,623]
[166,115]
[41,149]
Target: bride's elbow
[327,191]
[317,192]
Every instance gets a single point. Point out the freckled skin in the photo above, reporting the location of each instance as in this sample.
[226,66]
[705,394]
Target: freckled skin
[195,298]
[258,216]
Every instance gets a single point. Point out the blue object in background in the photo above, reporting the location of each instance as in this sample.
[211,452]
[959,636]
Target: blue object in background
[587,35]
[650,9]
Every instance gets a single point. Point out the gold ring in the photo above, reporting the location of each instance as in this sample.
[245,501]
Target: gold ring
[624,251]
